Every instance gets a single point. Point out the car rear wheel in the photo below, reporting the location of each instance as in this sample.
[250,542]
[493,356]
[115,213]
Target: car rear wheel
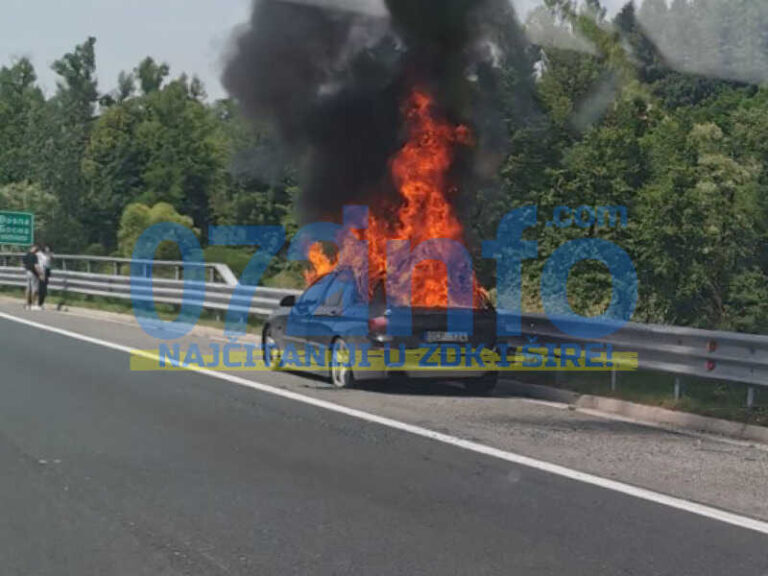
[483,386]
[342,376]
[486,384]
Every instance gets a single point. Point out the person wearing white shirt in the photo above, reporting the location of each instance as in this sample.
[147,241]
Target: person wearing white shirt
[44,262]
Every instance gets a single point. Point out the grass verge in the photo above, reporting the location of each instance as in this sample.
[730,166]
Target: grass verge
[725,400]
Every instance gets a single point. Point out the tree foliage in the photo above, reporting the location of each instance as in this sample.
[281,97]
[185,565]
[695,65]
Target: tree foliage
[30,197]
[660,110]
[138,218]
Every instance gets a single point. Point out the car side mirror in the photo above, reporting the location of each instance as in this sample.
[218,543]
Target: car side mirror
[288,302]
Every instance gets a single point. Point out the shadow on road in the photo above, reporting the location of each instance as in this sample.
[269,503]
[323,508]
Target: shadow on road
[410,387]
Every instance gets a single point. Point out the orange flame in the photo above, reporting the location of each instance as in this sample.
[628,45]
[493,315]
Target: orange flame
[420,171]
[321,264]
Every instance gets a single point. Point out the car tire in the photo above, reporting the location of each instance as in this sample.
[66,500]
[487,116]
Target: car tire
[342,377]
[276,354]
[483,386]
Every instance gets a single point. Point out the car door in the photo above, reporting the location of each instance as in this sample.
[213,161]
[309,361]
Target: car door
[325,322]
[300,325]
[342,313]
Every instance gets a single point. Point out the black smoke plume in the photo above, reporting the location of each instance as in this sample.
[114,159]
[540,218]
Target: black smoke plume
[331,76]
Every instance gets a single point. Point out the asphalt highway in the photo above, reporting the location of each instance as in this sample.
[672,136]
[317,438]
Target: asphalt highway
[108,471]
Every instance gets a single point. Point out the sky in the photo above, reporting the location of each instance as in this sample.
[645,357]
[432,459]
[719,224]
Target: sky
[190,35]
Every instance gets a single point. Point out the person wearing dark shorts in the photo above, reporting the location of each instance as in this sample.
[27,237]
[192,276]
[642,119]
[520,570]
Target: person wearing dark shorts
[32,268]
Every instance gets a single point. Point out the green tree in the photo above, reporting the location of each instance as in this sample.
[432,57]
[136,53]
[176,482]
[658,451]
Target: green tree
[112,169]
[138,218]
[699,227]
[20,103]
[30,197]
[165,146]
[186,152]
[63,131]
[151,75]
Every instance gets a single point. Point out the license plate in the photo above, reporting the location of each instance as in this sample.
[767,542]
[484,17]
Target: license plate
[446,337]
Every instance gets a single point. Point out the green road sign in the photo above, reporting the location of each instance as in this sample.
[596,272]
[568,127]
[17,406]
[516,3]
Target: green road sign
[17,228]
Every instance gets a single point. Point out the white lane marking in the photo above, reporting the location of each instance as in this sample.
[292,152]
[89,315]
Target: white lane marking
[546,403]
[620,487]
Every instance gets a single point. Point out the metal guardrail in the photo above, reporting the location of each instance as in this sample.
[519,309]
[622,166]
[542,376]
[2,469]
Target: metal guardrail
[66,262]
[108,277]
[707,354]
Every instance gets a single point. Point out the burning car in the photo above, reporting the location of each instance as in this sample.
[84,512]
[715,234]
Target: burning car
[344,308]
[333,317]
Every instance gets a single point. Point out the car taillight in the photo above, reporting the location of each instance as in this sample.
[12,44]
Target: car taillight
[378,326]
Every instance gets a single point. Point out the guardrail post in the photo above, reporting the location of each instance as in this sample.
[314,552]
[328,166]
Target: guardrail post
[116,268]
[212,275]
[679,388]
[751,397]
[65,291]
[88,266]
[614,380]
[178,272]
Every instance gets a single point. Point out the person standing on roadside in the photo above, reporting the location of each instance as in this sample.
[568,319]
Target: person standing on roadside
[32,267]
[45,261]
